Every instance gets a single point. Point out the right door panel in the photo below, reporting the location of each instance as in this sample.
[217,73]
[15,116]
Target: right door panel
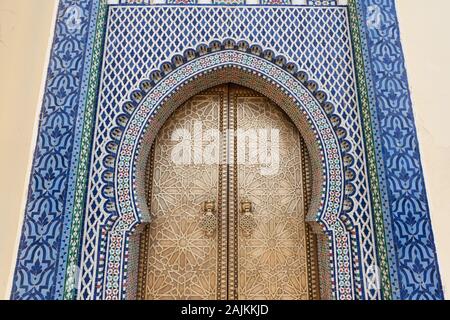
[269,202]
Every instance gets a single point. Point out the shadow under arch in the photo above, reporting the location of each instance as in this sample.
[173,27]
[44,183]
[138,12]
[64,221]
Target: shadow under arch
[190,74]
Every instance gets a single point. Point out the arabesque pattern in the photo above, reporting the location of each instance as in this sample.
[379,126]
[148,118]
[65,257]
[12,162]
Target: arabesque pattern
[413,247]
[182,260]
[43,250]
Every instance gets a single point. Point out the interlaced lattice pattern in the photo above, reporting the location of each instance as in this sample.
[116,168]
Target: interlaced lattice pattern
[139,38]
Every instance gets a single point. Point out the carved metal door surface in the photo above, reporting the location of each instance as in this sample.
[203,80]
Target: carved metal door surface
[227,191]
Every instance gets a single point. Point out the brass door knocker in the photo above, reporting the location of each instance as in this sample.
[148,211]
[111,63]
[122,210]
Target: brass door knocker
[247,221]
[209,220]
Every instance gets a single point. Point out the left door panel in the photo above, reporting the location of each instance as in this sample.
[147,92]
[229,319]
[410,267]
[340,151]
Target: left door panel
[183,257]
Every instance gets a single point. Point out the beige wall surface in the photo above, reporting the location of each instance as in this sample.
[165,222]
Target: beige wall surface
[25,27]
[424,29]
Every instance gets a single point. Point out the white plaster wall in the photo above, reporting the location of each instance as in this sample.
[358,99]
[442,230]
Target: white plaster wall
[25,28]
[425,30]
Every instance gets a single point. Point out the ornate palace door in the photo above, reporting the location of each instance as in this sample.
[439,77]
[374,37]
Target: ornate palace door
[227,186]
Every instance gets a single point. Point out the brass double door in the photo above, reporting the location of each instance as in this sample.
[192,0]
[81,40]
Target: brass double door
[227,192]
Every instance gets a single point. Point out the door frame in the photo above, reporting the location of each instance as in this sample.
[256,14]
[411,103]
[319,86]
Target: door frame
[227,95]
